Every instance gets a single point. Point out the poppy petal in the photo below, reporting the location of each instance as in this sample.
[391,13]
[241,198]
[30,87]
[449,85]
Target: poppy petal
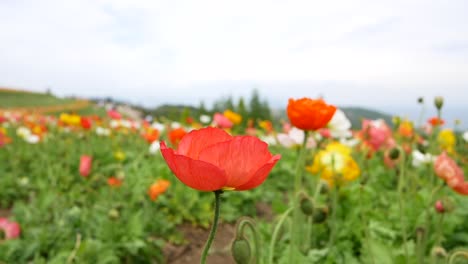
[240,157]
[260,175]
[199,175]
[194,142]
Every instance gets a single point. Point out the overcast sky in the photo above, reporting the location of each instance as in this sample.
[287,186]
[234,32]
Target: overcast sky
[369,53]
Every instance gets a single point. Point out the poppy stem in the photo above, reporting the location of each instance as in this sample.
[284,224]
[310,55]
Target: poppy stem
[213,227]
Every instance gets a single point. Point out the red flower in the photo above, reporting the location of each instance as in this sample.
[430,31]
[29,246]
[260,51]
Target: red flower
[86,123]
[448,170]
[85,165]
[10,229]
[210,159]
[309,114]
[435,121]
[176,135]
[114,182]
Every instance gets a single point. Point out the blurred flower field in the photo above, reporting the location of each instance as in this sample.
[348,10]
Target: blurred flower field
[109,189]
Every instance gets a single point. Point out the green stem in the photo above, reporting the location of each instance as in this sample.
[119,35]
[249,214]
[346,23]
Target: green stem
[438,234]
[213,227]
[295,224]
[249,223]
[275,234]
[333,219]
[401,181]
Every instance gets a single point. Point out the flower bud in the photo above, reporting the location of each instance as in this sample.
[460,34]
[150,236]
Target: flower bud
[394,154]
[439,252]
[439,206]
[241,250]
[320,214]
[307,205]
[439,102]
[113,213]
[420,100]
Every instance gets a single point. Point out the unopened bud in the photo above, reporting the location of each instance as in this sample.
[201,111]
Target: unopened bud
[307,205]
[113,213]
[439,206]
[320,214]
[241,250]
[439,102]
[439,252]
[394,153]
[420,100]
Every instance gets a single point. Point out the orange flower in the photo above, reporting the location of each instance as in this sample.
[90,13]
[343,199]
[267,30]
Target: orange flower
[114,182]
[309,114]
[151,135]
[157,188]
[176,135]
[448,170]
[435,121]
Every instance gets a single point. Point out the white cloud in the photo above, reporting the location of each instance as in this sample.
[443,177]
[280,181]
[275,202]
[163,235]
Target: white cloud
[164,49]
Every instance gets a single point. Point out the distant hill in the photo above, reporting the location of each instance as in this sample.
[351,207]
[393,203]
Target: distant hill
[356,114]
[36,102]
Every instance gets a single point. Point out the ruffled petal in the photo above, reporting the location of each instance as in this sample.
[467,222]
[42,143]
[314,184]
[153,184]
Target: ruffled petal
[194,142]
[199,175]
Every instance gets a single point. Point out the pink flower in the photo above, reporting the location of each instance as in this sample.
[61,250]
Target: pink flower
[376,134]
[114,114]
[222,121]
[85,165]
[10,229]
[448,170]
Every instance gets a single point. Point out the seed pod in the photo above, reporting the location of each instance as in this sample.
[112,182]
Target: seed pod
[320,214]
[394,153]
[307,205]
[241,251]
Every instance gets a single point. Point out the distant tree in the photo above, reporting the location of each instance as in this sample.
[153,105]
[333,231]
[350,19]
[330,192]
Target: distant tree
[242,110]
[255,106]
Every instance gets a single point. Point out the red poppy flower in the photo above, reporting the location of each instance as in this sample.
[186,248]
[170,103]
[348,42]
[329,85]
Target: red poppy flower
[309,114]
[114,182]
[86,123]
[435,121]
[85,165]
[210,159]
[151,135]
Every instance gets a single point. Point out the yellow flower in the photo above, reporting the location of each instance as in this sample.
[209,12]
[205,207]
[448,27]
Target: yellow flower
[447,140]
[235,118]
[335,164]
[119,155]
[72,119]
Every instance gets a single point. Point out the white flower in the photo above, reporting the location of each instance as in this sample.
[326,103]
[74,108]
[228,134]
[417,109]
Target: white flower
[101,131]
[295,137]
[205,119]
[421,158]
[350,142]
[465,136]
[175,125]
[154,147]
[23,132]
[158,126]
[270,140]
[32,139]
[114,123]
[339,125]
